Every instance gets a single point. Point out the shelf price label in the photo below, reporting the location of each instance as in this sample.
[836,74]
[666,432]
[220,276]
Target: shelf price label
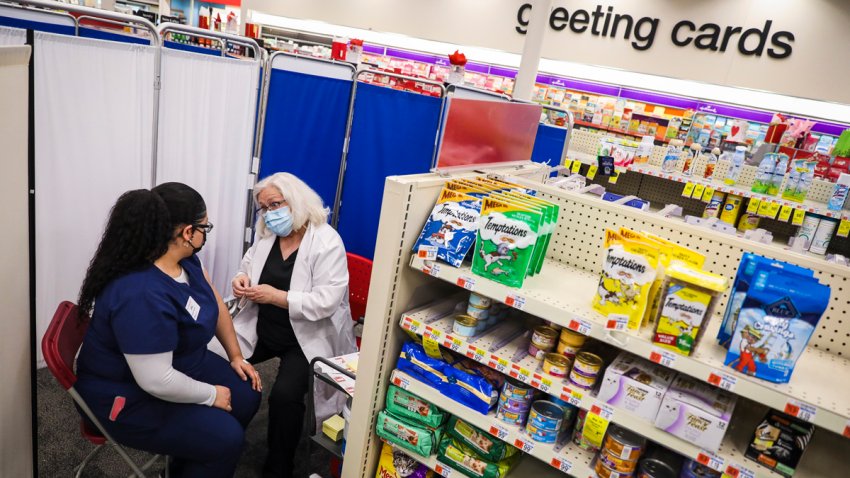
[562,464]
[573,397]
[432,347]
[764,208]
[785,213]
[846,429]
[591,172]
[475,353]
[415,326]
[662,357]
[801,410]
[524,375]
[527,446]
[499,432]
[432,270]
[706,458]
[708,194]
[753,206]
[596,423]
[515,301]
[575,167]
[545,384]
[699,190]
[455,344]
[616,323]
[799,217]
[843,228]
[568,163]
[499,364]
[614,177]
[689,190]
[400,382]
[433,333]
[428,253]
[580,325]
[603,410]
[466,282]
[773,210]
[443,470]
[723,380]
[734,470]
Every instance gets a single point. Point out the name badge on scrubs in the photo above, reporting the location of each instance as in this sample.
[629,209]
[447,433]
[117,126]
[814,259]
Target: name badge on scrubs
[193,308]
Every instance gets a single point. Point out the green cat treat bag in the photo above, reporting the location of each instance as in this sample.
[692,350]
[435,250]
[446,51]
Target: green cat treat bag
[504,247]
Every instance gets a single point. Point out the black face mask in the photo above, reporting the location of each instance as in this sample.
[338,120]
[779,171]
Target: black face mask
[196,250]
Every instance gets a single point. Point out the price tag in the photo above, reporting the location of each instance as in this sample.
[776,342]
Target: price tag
[708,194]
[432,347]
[428,253]
[580,325]
[435,334]
[734,470]
[575,398]
[499,432]
[479,354]
[466,282]
[689,190]
[799,217]
[515,301]
[594,428]
[576,167]
[753,206]
[764,208]
[456,344]
[562,464]
[617,323]
[443,471]
[663,357]
[527,446]
[706,458]
[432,270]
[785,213]
[603,410]
[843,228]
[415,326]
[501,365]
[591,172]
[614,177]
[400,382]
[773,210]
[545,384]
[723,380]
[524,374]
[568,163]
[699,190]
[846,429]
[801,410]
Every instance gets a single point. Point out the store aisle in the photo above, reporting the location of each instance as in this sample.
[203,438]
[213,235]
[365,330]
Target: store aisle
[60,446]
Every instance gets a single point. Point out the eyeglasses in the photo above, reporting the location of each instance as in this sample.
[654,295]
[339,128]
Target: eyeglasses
[205,228]
[271,207]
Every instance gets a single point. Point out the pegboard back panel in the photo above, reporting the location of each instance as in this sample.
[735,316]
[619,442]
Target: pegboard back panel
[584,218]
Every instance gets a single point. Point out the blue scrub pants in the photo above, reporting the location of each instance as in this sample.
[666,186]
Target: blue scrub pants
[203,442]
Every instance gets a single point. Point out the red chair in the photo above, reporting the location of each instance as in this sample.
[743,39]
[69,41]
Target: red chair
[359,275]
[60,344]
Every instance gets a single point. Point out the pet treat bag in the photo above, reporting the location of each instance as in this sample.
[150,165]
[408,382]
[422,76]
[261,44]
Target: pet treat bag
[465,460]
[451,227]
[396,464]
[507,235]
[402,403]
[778,316]
[546,223]
[551,220]
[484,444]
[628,271]
[398,431]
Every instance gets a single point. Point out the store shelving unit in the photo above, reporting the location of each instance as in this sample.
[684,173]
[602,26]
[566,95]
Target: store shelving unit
[562,293]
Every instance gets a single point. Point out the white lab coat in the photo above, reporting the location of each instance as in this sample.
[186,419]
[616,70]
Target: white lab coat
[318,305]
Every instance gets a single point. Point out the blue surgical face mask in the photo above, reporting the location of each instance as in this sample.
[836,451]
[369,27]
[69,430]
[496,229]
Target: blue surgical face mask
[279,221]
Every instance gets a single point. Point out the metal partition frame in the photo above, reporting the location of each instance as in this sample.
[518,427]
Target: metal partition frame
[36,11]
[361,71]
[569,133]
[223,38]
[463,91]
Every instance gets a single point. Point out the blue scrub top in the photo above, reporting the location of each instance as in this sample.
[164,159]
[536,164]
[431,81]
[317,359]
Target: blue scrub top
[146,312]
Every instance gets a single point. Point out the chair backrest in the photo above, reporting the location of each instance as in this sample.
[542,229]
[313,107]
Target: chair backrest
[359,274]
[62,341]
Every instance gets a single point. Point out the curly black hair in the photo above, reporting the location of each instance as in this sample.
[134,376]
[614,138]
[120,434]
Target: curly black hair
[141,225]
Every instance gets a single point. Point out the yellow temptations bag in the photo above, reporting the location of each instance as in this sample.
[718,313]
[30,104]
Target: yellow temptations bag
[670,254]
[628,272]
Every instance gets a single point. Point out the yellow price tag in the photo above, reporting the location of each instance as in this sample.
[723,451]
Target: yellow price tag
[591,172]
[785,213]
[689,189]
[773,210]
[568,163]
[843,228]
[576,167]
[753,206]
[594,429]
[799,217]
[764,208]
[613,179]
[432,347]
[708,194]
[699,189]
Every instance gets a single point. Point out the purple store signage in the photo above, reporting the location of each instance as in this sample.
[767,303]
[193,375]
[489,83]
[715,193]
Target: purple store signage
[658,99]
[736,112]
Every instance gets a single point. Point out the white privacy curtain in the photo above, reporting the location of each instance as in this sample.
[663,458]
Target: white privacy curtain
[206,136]
[12,36]
[93,134]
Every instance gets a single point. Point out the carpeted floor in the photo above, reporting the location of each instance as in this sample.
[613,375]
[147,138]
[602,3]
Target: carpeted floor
[61,448]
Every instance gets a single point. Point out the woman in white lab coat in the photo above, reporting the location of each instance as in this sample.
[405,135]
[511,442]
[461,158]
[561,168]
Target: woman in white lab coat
[293,289]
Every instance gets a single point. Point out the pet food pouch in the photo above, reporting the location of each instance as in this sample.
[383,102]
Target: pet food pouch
[627,274]
[404,404]
[396,464]
[464,459]
[420,440]
[670,253]
[451,227]
[552,220]
[521,201]
[484,444]
[778,316]
[506,237]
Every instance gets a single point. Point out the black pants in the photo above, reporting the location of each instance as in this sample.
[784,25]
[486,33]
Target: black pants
[286,407]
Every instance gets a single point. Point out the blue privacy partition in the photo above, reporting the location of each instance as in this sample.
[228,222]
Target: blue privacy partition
[15,16]
[305,121]
[549,145]
[393,133]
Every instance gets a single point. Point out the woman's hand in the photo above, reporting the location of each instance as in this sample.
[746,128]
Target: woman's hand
[266,294]
[222,398]
[240,284]
[245,371]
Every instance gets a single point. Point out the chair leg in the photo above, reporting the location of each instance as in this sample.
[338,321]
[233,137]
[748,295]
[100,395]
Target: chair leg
[136,471]
[86,460]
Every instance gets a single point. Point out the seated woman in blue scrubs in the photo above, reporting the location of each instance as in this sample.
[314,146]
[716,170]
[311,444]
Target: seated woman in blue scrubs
[144,368]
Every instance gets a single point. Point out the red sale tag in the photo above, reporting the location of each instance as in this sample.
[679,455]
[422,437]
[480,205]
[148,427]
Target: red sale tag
[467,283]
[792,409]
[847,430]
[655,357]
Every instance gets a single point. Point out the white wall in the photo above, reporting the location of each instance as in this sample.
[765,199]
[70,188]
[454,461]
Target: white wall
[15,409]
[813,70]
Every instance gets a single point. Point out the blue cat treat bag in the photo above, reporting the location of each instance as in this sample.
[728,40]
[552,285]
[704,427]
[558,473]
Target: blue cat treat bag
[451,227]
[777,318]
[746,270]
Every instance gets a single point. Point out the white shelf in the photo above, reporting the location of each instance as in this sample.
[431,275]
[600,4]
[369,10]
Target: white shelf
[562,294]
[528,370]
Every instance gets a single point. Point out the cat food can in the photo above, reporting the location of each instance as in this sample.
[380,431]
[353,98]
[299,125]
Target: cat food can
[573,339]
[513,405]
[516,390]
[567,350]
[477,312]
[653,468]
[587,363]
[623,444]
[512,418]
[605,471]
[579,386]
[582,380]
[546,415]
[570,411]
[692,469]
[542,341]
[616,463]
[556,365]
[465,326]
[540,435]
[479,301]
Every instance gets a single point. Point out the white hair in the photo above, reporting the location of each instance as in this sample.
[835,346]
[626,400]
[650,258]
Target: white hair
[305,204]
